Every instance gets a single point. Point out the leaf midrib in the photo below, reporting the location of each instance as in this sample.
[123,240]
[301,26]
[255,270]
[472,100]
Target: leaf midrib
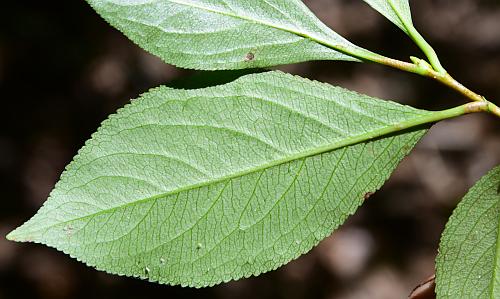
[391,128]
[307,35]
[226,13]
[400,17]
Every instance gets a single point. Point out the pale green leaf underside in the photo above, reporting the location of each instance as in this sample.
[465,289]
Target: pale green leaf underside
[468,264]
[225,34]
[197,187]
[397,11]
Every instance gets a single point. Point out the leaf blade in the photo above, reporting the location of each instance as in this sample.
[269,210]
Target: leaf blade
[214,35]
[468,264]
[196,187]
[396,11]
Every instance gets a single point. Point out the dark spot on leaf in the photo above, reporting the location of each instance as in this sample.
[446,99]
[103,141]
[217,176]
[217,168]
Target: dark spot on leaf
[68,230]
[367,195]
[250,56]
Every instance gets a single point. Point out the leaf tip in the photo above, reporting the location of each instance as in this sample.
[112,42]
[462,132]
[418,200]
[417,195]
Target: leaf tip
[17,235]
[12,236]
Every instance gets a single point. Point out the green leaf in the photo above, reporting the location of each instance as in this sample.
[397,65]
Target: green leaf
[197,187]
[468,264]
[397,11]
[226,34]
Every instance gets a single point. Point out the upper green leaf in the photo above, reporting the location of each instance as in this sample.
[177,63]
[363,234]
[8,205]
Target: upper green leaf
[468,264]
[197,187]
[397,11]
[226,34]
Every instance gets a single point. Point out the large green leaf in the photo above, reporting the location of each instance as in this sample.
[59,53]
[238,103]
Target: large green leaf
[397,11]
[468,264]
[197,187]
[226,34]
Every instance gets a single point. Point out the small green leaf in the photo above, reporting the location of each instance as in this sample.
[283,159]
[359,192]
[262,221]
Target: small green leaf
[468,264]
[397,11]
[197,187]
[229,34]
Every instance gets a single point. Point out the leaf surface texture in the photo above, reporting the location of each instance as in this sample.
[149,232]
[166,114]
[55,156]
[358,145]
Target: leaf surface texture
[197,187]
[225,34]
[468,264]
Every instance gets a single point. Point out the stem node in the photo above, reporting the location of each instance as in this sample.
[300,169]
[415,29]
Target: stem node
[474,107]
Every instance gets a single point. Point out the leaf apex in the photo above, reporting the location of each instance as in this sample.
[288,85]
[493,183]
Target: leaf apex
[12,236]
[19,235]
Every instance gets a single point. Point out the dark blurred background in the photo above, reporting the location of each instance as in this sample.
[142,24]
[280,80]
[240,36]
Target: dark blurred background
[63,70]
